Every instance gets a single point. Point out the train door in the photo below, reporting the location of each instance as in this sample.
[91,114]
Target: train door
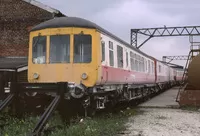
[85,56]
[104,68]
[149,70]
[60,51]
[168,73]
[155,64]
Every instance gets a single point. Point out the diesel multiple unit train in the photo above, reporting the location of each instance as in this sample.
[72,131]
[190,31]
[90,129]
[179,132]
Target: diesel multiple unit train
[95,67]
[75,64]
[98,66]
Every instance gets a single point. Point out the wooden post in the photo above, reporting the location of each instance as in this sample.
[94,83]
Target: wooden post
[2,93]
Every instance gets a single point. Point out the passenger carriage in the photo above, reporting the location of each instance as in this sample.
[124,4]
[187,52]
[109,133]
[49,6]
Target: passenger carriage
[92,60]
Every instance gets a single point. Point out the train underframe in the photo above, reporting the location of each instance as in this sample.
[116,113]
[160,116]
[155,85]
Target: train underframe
[69,98]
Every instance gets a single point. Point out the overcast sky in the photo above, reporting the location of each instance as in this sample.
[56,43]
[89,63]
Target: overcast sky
[119,16]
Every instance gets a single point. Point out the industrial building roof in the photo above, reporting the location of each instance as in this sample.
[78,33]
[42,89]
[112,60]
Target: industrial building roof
[45,7]
[13,63]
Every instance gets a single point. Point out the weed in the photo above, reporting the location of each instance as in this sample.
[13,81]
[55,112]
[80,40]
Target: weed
[17,127]
[190,108]
[106,125]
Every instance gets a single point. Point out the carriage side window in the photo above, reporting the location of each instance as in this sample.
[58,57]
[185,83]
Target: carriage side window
[119,56]
[143,65]
[140,64]
[146,65]
[152,67]
[59,49]
[132,61]
[39,50]
[137,63]
[159,68]
[111,54]
[127,59]
[149,67]
[166,70]
[82,48]
[103,50]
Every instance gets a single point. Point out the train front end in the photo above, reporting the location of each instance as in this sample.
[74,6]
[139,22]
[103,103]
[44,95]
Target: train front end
[64,50]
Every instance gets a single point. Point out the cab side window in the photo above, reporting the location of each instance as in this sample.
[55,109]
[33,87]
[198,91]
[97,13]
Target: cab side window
[103,50]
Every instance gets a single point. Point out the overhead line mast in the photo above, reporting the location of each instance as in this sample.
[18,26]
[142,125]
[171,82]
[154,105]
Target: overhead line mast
[161,32]
[171,58]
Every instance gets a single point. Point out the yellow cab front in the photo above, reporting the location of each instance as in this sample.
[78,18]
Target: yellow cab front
[64,55]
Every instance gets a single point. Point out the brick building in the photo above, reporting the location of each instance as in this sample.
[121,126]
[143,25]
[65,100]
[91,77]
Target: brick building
[16,19]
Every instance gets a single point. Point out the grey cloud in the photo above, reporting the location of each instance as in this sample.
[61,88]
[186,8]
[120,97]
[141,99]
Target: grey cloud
[189,9]
[119,16]
[80,8]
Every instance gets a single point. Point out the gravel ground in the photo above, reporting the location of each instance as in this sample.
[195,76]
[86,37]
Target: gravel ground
[164,122]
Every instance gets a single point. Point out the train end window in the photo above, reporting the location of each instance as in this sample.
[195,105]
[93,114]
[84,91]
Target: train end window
[39,49]
[82,48]
[59,49]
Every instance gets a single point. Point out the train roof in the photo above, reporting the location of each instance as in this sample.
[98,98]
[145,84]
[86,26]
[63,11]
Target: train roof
[80,22]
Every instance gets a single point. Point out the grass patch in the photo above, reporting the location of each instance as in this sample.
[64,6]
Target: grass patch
[16,127]
[102,125]
[99,126]
[190,108]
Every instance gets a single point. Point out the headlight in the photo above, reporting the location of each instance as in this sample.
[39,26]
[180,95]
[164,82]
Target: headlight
[84,76]
[35,75]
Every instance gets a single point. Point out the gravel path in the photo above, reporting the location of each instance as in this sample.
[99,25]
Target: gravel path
[164,122]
